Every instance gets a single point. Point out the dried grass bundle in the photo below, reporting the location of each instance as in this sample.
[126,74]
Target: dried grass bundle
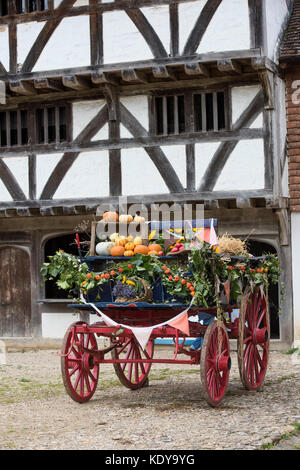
[231,245]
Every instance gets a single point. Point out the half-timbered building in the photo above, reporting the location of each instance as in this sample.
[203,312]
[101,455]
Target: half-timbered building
[159,100]
[290,65]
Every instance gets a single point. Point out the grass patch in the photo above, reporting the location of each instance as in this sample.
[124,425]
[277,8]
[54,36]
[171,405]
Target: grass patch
[292,351]
[284,437]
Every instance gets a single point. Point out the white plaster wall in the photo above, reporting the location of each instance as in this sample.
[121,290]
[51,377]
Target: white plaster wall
[87,177]
[203,155]
[138,107]
[245,167]
[229,28]
[122,40]
[4,49]
[4,194]
[139,174]
[69,45]
[45,164]
[19,168]
[295,236]
[276,11]
[176,155]
[158,17]
[83,113]
[26,36]
[241,98]
[54,325]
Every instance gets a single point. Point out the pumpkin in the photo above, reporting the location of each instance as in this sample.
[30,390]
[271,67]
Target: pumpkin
[141,249]
[129,253]
[138,219]
[121,241]
[110,216]
[138,241]
[114,237]
[129,246]
[155,247]
[125,218]
[117,251]
[103,248]
[152,252]
[130,238]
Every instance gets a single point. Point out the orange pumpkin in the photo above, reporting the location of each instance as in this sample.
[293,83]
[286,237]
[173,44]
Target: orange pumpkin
[141,249]
[155,247]
[129,253]
[117,251]
[152,252]
[129,246]
[121,242]
[110,216]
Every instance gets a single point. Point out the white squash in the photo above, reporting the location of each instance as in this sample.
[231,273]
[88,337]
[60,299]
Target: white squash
[125,218]
[103,248]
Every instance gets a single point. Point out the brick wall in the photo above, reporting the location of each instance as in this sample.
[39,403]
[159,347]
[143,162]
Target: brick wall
[293,138]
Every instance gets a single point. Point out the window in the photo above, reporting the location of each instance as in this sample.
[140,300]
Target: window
[206,111]
[50,124]
[209,111]
[24,6]
[169,115]
[13,128]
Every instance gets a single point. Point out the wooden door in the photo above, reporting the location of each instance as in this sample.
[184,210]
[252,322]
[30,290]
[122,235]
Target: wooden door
[15,292]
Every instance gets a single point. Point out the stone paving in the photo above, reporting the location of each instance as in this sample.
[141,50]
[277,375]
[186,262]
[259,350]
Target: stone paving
[170,414]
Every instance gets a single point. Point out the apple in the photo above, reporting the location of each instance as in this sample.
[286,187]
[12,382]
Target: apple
[174,250]
[161,253]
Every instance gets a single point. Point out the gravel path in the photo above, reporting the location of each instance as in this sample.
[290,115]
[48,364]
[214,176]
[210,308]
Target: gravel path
[170,414]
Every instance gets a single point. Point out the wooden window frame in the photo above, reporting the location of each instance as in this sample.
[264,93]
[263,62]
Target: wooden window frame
[190,123]
[32,125]
[11,8]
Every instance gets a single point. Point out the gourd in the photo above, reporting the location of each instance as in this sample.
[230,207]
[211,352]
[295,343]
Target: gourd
[110,216]
[114,237]
[138,219]
[125,218]
[129,253]
[152,252]
[129,246]
[141,249]
[137,241]
[155,247]
[117,251]
[121,241]
[103,248]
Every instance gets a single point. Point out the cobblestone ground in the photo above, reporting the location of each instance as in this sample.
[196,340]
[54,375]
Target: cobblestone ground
[170,414]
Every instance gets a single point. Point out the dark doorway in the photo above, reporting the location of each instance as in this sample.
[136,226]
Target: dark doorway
[15,292]
[257,248]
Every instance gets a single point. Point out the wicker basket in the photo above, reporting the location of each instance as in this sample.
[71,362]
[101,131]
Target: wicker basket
[146,297]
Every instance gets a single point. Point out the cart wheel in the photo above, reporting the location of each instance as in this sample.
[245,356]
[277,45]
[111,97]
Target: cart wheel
[79,373]
[215,363]
[133,375]
[253,340]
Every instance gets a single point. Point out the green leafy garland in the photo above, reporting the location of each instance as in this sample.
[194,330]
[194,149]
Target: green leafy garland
[195,276]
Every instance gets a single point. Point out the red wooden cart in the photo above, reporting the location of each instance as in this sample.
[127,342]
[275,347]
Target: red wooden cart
[81,357]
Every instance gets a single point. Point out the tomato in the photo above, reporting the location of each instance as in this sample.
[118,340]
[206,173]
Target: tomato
[107,276]
[129,266]
[176,278]
[188,285]
[183,282]
[193,293]
[170,278]
[89,275]
[164,267]
[97,277]
[102,276]
[120,270]
[113,272]
[167,271]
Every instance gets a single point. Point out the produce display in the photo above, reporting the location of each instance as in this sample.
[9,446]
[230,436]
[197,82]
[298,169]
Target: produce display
[187,268]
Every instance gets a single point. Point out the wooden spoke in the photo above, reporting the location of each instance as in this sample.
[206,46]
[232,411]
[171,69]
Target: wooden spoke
[133,375]
[253,341]
[79,373]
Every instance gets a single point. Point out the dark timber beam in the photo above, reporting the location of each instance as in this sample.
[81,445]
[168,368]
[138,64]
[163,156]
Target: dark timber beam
[22,88]
[75,82]
[196,69]
[47,84]
[133,75]
[161,71]
[100,78]
[229,66]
